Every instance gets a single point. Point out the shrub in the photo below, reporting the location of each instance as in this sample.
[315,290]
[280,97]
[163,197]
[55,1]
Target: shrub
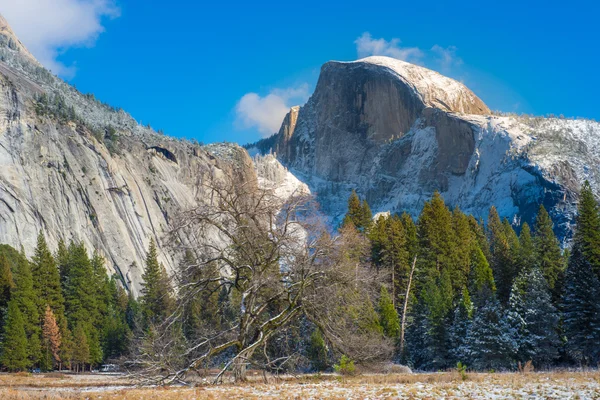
[462,370]
[345,366]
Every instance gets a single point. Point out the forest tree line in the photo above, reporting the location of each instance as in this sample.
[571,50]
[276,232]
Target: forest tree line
[429,293]
[61,310]
[483,295]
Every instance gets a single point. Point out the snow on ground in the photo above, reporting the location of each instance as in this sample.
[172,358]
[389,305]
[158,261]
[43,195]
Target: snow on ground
[446,385]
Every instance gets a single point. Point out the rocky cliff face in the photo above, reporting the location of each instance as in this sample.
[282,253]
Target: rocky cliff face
[397,132]
[75,168]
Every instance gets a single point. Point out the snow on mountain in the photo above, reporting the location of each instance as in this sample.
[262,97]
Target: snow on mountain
[397,133]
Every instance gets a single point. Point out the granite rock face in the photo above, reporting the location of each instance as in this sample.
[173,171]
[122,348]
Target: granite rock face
[77,169]
[398,132]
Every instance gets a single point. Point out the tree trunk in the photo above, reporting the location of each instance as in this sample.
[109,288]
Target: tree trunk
[412,270]
[239,369]
[393,286]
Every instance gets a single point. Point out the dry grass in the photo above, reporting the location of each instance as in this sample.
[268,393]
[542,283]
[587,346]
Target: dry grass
[559,384]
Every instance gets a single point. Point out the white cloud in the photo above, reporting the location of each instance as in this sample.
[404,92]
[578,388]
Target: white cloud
[366,46]
[446,57]
[266,113]
[49,27]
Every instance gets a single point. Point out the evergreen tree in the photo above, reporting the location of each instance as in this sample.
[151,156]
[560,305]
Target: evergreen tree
[491,341]
[581,309]
[527,258]
[14,343]
[366,220]
[410,232]
[463,240]
[514,249]
[317,351]
[358,214]
[6,285]
[62,260]
[156,302]
[51,340]
[437,298]
[481,282]
[46,281]
[588,227]
[24,296]
[547,250]
[379,237]
[79,288]
[390,322]
[395,257]
[463,315]
[534,318]
[419,342]
[355,213]
[116,332]
[501,262]
[81,348]
[436,248]
[81,291]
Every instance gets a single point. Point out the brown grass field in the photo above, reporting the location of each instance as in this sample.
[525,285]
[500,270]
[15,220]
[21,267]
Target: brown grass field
[446,385]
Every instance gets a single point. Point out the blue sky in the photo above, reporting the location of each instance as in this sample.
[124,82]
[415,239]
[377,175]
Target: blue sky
[218,71]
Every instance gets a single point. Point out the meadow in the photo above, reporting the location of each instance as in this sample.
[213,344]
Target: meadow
[448,385]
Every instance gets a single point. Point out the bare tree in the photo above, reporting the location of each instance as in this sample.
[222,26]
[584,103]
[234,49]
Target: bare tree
[276,261]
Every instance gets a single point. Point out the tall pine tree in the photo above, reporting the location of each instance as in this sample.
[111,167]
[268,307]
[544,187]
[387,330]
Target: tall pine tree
[501,262]
[46,281]
[14,343]
[581,309]
[547,250]
[587,233]
[156,301]
[535,319]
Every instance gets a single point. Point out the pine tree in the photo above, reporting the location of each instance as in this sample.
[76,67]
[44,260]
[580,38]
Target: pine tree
[410,232]
[201,308]
[514,249]
[354,214]
[527,258]
[437,296]
[46,281]
[366,220]
[14,343]
[535,319]
[317,351]
[394,256]
[379,237]
[81,348]
[156,302]
[25,297]
[588,226]
[82,291]
[6,285]
[436,247]
[491,339]
[358,214]
[463,315]
[501,262]
[116,332]
[51,338]
[66,347]
[79,287]
[547,250]
[581,309]
[62,260]
[481,281]
[464,240]
[390,322]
